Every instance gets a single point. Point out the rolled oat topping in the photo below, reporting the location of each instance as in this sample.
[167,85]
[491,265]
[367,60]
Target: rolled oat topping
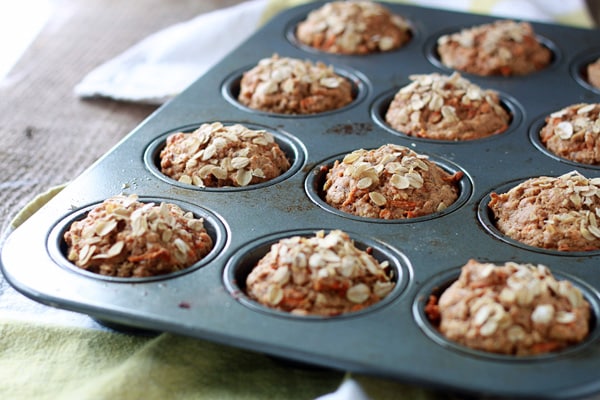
[517,309]
[389,182]
[325,274]
[446,107]
[353,27]
[503,47]
[574,133]
[215,155]
[292,86]
[551,212]
[127,238]
[492,35]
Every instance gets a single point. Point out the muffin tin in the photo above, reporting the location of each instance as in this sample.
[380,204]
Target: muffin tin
[393,339]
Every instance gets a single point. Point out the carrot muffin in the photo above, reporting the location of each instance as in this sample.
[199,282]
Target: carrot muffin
[353,27]
[215,155]
[593,73]
[322,275]
[514,309]
[443,107]
[291,86]
[574,133]
[501,48]
[551,213]
[127,238]
[391,182]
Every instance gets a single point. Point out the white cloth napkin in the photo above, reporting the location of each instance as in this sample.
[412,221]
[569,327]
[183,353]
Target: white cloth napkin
[348,390]
[162,65]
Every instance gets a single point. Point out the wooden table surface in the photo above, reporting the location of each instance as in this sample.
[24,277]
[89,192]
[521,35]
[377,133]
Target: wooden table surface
[49,135]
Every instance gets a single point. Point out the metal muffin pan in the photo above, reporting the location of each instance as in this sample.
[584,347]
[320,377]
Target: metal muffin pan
[392,339]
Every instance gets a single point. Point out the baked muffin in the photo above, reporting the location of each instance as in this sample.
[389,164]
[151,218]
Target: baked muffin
[513,309]
[593,73]
[324,275]
[574,133]
[286,85]
[215,155]
[503,47]
[127,238]
[391,182]
[443,107]
[551,213]
[353,27]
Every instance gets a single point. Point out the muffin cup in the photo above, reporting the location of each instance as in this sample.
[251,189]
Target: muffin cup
[578,68]
[534,136]
[230,89]
[432,54]
[58,248]
[291,146]
[382,103]
[245,258]
[316,178]
[437,284]
[486,219]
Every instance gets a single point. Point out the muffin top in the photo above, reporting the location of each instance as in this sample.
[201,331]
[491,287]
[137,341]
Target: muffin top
[446,107]
[593,73]
[287,85]
[574,133]
[324,274]
[353,27]
[514,309]
[558,213]
[128,238]
[215,155]
[503,48]
[391,182]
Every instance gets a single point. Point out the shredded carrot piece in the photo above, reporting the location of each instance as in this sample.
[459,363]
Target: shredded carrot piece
[149,255]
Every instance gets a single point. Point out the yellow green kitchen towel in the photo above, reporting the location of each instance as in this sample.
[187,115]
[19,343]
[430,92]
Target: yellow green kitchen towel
[41,361]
